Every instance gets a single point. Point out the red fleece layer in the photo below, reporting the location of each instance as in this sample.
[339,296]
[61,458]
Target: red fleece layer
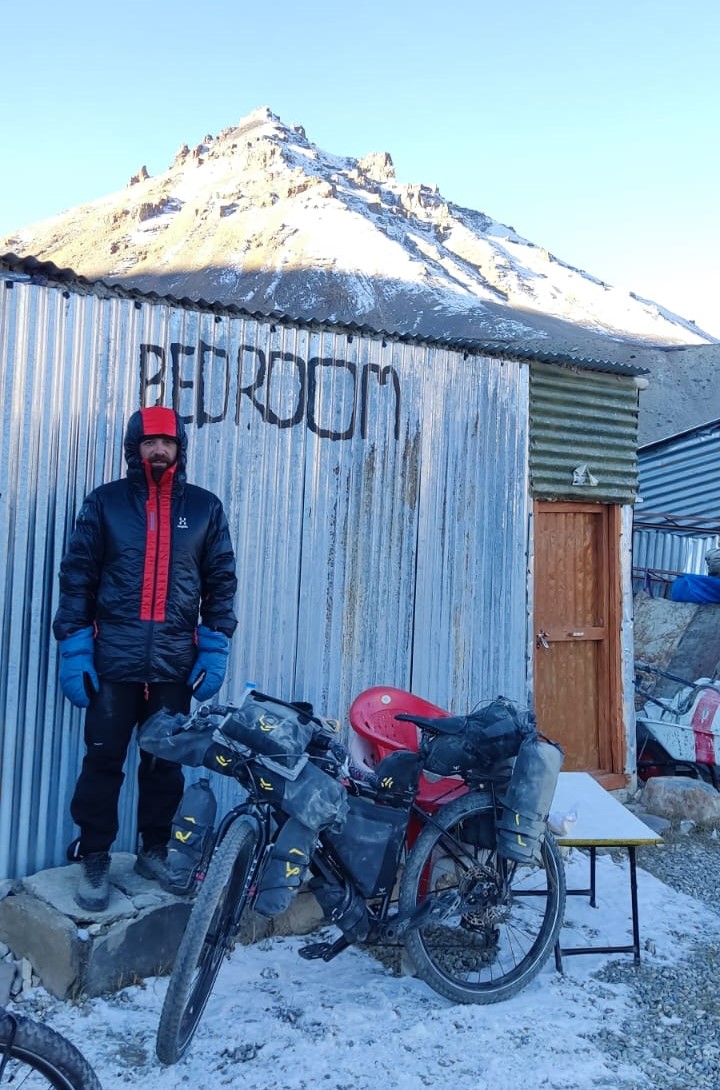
[158,534]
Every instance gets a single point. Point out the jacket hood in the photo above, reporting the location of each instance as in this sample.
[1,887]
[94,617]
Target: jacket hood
[156,420]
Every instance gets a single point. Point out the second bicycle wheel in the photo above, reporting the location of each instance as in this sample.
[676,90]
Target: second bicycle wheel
[35,1057]
[495,922]
[207,938]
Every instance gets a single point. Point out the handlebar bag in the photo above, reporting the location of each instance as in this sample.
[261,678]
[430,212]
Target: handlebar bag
[272,727]
[176,738]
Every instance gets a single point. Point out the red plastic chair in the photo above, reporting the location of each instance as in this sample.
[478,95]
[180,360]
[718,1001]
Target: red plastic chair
[372,718]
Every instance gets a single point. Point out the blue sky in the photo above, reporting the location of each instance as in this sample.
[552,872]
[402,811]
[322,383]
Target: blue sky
[591,126]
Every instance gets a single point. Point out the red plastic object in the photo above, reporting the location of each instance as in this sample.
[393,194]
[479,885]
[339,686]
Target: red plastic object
[372,717]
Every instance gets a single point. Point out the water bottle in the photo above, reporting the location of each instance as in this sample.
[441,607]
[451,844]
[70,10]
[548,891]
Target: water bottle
[191,836]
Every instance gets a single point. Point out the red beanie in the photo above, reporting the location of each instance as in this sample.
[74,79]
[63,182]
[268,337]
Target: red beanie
[159,421]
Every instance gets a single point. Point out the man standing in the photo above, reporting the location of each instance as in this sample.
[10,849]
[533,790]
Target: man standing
[144,620]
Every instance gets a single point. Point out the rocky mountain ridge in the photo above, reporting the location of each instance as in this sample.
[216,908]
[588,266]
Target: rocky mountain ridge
[260,217]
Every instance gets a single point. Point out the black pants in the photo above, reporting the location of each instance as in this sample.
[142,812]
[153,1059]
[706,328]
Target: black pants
[110,720]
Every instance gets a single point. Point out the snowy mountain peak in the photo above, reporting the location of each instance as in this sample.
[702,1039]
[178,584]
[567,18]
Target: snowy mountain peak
[260,217]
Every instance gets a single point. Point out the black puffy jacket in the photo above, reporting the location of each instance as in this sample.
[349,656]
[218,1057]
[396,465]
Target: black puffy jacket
[145,564]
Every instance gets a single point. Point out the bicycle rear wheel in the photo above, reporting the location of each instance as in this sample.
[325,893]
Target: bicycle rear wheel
[499,921]
[208,936]
[35,1057]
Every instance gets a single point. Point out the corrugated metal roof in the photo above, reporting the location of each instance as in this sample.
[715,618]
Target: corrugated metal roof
[680,476]
[36,270]
[681,436]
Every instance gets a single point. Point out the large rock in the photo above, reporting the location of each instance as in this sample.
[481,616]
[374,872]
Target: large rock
[679,798]
[680,638]
[659,625]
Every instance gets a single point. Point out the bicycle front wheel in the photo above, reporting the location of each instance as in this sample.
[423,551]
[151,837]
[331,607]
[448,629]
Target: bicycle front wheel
[35,1057]
[493,923]
[208,937]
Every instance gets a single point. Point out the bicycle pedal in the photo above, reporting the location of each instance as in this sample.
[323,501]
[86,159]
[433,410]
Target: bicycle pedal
[325,951]
[315,950]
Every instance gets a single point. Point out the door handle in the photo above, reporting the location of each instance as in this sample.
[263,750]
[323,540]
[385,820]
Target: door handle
[542,639]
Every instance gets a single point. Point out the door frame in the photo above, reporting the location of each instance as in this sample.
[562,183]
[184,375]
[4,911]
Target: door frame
[611,721]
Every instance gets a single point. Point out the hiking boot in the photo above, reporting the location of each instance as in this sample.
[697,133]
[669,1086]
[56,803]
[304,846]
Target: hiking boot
[72,852]
[93,891]
[152,863]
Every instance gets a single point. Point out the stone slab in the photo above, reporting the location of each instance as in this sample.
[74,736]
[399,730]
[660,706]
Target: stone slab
[56,886]
[131,950]
[75,952]
[48,939]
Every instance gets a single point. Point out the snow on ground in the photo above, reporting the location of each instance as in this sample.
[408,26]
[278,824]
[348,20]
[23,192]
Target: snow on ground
[276,1022]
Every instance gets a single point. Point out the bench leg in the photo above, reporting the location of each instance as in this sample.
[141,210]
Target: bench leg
[634,903]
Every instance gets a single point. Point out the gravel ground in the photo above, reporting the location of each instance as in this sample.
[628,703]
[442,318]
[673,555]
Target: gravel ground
[674,1038]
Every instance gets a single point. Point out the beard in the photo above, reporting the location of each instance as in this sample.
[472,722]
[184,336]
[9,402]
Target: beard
[158,467]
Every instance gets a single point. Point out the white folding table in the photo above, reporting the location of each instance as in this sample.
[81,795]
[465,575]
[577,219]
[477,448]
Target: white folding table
[601,822]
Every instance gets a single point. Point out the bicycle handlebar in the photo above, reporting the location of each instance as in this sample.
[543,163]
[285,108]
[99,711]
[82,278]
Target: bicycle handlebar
[214,711]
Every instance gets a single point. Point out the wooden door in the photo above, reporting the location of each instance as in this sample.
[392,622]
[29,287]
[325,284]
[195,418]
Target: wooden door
[577,633]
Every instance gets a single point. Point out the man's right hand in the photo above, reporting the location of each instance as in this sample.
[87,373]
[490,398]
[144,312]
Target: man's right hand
[78,678]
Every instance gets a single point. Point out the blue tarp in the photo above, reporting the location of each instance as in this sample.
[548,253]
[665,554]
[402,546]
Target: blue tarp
[696,588]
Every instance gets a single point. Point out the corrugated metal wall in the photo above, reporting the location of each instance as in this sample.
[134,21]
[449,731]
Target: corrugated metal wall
[680,476]
[661,555]
[376,493]
[680,494]
[582,419]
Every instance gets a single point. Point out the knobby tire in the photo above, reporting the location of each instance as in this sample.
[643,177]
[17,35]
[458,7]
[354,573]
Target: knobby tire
[207,938]
[472,956]
[40,1058]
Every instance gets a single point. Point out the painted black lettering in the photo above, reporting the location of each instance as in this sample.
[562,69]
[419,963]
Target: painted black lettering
[276,359]
[271,383]
[202,416]
[266,370]
[157,378]
[312,408]
[259,379]
[177,351]
[249,390]
[384,374]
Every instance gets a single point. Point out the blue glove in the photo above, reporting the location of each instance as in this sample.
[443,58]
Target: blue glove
[77,667]
[208,673]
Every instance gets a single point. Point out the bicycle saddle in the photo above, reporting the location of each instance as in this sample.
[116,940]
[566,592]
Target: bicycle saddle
[448,724]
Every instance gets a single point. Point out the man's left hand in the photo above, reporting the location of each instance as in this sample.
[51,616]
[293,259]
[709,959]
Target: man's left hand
[208,673]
